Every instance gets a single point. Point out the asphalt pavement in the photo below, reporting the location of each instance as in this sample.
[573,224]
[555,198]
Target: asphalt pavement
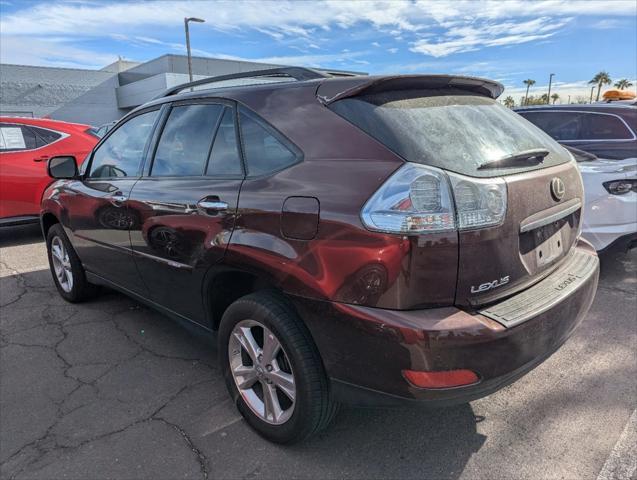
[111,389]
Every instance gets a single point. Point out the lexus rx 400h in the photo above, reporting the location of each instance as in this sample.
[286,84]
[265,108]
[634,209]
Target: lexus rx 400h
[372,240]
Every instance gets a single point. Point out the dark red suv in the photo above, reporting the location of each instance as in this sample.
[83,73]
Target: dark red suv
[372,240]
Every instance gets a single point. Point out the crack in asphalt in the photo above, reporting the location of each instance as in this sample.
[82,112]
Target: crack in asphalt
[47,443]
[201,457]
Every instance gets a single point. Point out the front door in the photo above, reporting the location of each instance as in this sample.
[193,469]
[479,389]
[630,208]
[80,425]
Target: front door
[98,204]
[190,193]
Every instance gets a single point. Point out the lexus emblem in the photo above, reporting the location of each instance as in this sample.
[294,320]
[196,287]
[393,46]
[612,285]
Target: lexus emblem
[557,188]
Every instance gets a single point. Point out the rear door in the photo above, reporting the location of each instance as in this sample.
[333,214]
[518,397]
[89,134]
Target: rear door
[189,194]
[23,156]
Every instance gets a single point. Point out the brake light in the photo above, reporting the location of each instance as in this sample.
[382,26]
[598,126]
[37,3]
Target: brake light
[423,199]
[441,379]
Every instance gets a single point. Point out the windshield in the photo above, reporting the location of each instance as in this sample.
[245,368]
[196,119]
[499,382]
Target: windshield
[453,130]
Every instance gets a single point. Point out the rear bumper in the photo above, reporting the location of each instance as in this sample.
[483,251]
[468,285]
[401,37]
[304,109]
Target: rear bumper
[364,349]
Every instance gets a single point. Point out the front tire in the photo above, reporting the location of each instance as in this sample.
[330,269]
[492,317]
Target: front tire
[68,274]
[273,370]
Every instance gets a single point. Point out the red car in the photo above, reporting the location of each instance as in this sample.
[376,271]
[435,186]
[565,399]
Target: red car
[26,144]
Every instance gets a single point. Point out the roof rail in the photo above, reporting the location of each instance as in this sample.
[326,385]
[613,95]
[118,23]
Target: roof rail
[297,73]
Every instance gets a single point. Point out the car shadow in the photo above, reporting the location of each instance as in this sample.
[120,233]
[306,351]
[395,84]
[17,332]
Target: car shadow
[20,235]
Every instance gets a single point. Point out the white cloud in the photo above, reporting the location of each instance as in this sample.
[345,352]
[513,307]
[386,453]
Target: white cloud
[49,52]
[469,37]
[433,28]
[311,60]
[608,24]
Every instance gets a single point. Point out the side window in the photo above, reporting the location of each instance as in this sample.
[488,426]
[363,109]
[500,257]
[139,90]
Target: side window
[264,150]
[224,157]
[45,137]
[14,138]
[185,142]
[604,127]
[559,125]
[121,154]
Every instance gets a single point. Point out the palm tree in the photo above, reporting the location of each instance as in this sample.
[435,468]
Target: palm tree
[554,97]
[509,102]
[602,78]
[528,82]
[623,83]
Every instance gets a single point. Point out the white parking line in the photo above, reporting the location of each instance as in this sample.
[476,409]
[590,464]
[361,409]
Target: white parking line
[622,461]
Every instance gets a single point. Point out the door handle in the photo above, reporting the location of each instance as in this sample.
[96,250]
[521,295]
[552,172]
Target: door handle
[215,205]
[42,158]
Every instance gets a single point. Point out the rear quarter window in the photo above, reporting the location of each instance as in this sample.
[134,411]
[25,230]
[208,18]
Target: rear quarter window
[265,150]
[449,129]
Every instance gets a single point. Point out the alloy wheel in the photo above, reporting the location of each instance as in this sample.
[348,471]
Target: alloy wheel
[262,372]
[61,264]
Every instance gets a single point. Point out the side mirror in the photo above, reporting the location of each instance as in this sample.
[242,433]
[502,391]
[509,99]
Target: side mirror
[62,167]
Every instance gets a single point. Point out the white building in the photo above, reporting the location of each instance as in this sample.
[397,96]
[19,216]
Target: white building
[95,97]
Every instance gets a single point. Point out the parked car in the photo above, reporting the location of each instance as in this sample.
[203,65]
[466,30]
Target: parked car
[371,240]
[610,201]
[26,144]
[608,132]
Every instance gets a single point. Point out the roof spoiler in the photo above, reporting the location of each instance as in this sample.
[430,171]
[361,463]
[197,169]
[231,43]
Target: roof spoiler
[329,92]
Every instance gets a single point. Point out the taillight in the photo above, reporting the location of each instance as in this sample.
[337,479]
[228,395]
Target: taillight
[620,187]
[420,199]
[479,202]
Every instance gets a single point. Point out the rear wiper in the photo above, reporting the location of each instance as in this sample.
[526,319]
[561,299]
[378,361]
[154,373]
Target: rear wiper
[537,154]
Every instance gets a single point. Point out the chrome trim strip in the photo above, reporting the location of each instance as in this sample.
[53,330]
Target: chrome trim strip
[532,225]
[131,251]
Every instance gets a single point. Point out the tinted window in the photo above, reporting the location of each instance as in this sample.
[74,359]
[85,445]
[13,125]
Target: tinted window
[559,125]
[580,125]
[185,142]
[604,127]
[224,158]
[448,129]
[264,152]
[45,137]
[121,153]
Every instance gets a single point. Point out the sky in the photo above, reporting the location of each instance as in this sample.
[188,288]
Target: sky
[508,41]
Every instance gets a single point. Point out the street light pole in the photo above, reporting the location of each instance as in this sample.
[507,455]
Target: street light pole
[592,88]
[186,20]
[548,96]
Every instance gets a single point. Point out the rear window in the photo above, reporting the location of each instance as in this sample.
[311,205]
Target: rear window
[455,131]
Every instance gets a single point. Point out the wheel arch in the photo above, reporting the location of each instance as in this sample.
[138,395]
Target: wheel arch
[47,220]
[224,284]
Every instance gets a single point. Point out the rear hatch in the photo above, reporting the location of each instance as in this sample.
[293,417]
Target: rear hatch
[475,141]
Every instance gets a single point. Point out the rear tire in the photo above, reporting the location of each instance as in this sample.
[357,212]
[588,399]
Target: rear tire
[301,398]
[67,270]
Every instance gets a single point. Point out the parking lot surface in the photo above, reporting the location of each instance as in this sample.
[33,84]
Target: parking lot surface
[111,389]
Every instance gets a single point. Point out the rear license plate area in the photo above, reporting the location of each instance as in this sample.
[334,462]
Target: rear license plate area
[549,247]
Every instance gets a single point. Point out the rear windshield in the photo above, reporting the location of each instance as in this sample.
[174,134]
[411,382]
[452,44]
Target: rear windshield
[456,131]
